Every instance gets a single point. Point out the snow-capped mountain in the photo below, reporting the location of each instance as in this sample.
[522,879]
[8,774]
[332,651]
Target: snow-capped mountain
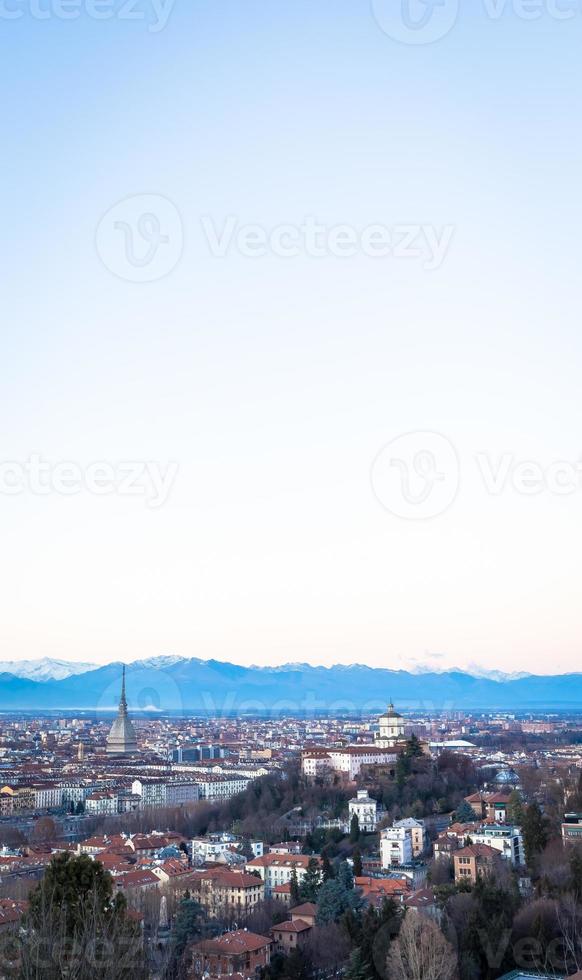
[45,669]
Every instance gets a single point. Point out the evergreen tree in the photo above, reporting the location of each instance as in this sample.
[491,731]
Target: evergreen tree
[357,858]
[345,876]
[413,747]
[354,829]
[295,893]
[515,812]
[311,883]
[75,916]
[534,831]
[465,813]
[189,926]
[358,969]
[326,867]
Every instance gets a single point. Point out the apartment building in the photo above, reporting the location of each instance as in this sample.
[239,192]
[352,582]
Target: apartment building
[222,891]
[278,869]
[504,838]
[396,846]
[474,861]
[102,803]
[417,833]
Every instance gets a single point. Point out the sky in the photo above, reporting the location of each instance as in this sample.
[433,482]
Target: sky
[290,340]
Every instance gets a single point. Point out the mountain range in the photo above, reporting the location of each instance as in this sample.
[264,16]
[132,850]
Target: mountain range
[173,684]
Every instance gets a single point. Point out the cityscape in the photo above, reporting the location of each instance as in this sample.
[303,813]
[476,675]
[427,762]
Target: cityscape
[295,844]
[290,490]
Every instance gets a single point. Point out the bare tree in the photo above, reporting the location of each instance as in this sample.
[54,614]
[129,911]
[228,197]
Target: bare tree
[421,952]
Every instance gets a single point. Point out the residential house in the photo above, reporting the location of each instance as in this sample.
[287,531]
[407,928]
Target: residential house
[242,952]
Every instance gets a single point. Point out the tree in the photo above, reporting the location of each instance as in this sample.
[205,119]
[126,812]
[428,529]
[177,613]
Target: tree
[76,927]
[354,829]
[295,891]
[357,859]
[328,949]
[413,747]
[326,868]
[336,896]
[534,831]
[515,811]
[465,813]
[311,883]
[576,873]
[420,952]
[44,829]
[358,969]
[188,927]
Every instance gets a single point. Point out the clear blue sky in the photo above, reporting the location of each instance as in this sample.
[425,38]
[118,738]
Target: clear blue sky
[272,383]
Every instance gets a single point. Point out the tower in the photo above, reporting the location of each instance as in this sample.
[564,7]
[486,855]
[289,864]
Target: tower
[121,739]
[391,728]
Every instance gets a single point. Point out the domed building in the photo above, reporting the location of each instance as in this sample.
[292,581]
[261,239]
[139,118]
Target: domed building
[121,739]
[391,728]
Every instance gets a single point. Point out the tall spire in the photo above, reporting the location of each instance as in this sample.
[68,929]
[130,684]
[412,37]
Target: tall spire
[121,739]
[123,701]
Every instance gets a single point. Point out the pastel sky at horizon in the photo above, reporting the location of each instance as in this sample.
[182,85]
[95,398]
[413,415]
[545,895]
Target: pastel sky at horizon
[268,385]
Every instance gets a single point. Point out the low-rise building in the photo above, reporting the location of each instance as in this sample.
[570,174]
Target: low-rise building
[504,838]
[365,808]
[290,935]
[417,833]
[572,828]
[277,869]
[223,892]
[347,760]
[475,861]
[395,846]
[102,803]
[242,952]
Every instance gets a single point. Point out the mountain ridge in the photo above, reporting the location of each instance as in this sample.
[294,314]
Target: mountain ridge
[175,684]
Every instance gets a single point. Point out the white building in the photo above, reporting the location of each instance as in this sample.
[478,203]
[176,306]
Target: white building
[277,869]
[505,839]
[221,787]
[177,794]
[347,760]
[365,809]
[102,803]
[153,792]
[47,796]
[395,846]
[416,828]
[391,728]
[211,848]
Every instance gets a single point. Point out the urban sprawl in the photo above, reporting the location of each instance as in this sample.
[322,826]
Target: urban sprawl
[408,846]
